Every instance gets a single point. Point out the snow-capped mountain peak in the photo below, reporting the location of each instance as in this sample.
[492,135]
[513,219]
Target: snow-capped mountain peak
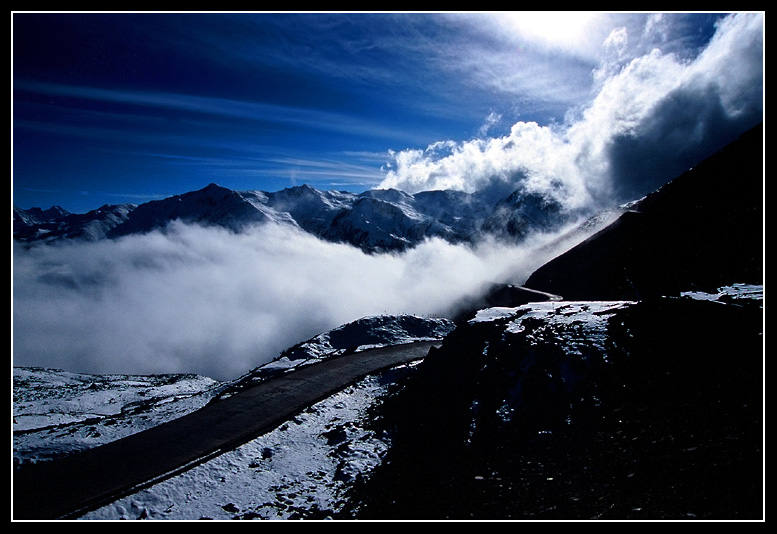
[376,220]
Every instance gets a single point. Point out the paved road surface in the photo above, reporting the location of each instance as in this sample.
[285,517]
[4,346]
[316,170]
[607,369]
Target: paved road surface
[80,482]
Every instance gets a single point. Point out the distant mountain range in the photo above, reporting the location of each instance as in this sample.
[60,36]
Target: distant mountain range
[374,221]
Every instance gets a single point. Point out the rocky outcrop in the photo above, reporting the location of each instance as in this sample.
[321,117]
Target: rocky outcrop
[581,410]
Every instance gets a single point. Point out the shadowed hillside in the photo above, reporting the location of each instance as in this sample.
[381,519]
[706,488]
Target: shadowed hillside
[701,230]
[636,396]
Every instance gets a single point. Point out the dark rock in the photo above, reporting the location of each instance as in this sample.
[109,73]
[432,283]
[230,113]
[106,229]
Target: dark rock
[661,420]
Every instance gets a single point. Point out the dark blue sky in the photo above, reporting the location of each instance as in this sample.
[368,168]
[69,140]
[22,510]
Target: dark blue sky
[131,107]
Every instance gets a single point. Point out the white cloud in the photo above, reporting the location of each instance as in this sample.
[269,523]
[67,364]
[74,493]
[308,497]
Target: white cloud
[617,41]
[208,301]
[651,118]
[490,121]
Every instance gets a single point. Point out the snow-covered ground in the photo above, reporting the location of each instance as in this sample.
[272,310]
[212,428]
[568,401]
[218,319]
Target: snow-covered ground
[585,322]
[57,412]
[730,293]
[301,468]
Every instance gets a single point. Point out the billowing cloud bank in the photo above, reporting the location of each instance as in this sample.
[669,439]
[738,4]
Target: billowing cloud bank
[653,116]
[208,301]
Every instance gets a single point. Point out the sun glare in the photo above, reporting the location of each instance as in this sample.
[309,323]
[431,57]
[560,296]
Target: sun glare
[558,29]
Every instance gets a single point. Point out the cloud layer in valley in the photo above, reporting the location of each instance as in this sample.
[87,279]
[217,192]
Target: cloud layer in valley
[208,301]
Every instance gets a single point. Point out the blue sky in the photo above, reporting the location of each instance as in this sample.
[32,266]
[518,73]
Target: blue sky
[132,107]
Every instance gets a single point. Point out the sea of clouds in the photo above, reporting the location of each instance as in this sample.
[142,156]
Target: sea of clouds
[209,301]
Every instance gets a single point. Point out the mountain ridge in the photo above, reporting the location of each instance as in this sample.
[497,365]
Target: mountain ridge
[377,220]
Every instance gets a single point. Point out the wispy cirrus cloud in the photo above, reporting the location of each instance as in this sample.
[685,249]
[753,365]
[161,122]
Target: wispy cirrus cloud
[233,110]
[225,138]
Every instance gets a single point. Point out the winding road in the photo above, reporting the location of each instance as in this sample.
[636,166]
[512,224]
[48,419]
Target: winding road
[71,486]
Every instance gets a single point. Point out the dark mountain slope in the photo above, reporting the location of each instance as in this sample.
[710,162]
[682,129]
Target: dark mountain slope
[701,230]
[623,400]
[212,205]
[56,223]
[661,419]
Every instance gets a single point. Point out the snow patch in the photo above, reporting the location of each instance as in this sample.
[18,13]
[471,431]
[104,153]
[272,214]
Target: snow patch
[58,412]
[730,293]
[496,313]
